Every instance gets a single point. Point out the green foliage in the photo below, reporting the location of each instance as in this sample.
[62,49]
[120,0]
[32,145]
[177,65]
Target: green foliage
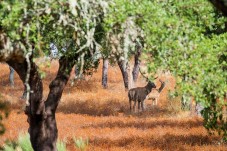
[80,143]
[122,34]
[72,25]
[61,145]
[23,144]
[9,146]
[187,38]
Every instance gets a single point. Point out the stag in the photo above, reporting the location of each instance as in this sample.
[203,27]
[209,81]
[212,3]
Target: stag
[139,94]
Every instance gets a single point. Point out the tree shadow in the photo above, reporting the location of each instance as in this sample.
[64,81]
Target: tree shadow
[112,107]
[81,85]
[93,107]
[164,142]
[144,124]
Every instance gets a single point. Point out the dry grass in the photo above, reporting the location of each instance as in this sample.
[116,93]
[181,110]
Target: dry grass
[102,115]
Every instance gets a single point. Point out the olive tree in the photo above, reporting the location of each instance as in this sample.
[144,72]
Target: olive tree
[27,28]
[123,39]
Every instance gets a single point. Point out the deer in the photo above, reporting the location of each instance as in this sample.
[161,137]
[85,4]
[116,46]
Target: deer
[139,94]
[155,96]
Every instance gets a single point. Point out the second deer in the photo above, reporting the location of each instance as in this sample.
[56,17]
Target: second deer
[155,96]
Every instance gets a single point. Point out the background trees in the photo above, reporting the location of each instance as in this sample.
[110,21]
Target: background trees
[185,38]
[193,56]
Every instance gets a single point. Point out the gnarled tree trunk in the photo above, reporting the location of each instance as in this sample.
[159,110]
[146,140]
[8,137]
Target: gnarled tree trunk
[11,76]
[105,72]
[136,67]
[220,5]
[41,114]
[123,65]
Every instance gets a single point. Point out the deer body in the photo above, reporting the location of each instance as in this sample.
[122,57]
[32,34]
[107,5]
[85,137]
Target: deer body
[139,94]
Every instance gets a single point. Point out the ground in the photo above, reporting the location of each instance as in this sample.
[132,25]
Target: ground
[102,115]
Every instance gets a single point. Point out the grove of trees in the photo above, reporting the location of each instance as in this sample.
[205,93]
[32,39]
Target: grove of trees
[187,38]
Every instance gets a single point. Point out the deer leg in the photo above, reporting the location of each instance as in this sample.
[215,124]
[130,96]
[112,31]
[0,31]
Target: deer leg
[130,103]
[153,101]
[139,105]
[134,106]
[142,104]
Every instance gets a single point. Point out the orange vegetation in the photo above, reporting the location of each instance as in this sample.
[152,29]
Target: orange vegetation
[102,115]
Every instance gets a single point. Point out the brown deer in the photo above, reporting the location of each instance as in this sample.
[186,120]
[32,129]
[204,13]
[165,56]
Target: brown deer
[155,96]
[139,94]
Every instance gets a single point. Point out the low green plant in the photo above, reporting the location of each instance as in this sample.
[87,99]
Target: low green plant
[23,144]
[9,146]
[80,143]
[61,145]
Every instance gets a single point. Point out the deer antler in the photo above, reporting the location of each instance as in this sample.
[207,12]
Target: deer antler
[145,76]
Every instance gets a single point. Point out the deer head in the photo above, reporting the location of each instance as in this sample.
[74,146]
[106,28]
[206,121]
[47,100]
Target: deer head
[163,83]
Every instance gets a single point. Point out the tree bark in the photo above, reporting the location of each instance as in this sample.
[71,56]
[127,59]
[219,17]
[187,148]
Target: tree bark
[35,110]
[220,5]
[10,51]
[11,76]
[123,65]
[41,115]
[53,99]
[136,67]
[105,73]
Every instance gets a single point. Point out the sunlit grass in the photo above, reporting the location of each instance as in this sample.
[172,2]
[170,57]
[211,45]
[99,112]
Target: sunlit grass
[86,110]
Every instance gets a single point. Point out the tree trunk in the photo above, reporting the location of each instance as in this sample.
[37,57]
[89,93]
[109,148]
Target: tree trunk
[53,99]
[220,5]
[105,73]
[11,76]
[41,115]
[131,83]
[136,67]
[123,65]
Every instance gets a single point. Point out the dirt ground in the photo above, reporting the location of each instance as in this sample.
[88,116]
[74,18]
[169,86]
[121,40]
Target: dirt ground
[102,115]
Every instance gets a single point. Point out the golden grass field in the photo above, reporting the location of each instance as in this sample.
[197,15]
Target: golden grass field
[102,115]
